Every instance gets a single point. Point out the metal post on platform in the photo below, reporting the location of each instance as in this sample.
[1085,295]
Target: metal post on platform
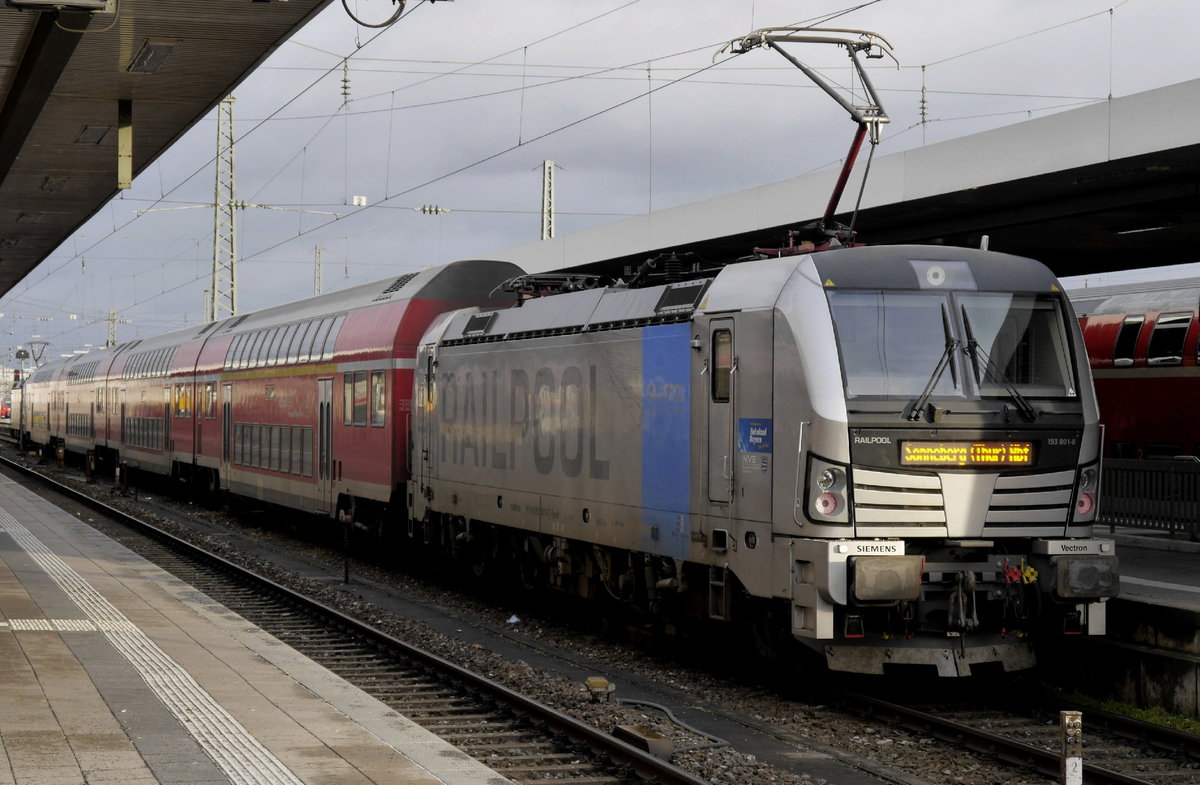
[346,517]
[1071,733]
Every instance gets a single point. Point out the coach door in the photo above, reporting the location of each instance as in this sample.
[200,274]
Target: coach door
[324,445]
[166,429]
[720,372]
[226,431]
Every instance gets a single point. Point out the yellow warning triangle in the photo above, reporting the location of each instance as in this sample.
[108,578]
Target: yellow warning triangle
[829,282]
[1054,288]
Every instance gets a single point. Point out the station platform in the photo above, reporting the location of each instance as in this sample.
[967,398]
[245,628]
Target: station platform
[113,672]
[1156,568]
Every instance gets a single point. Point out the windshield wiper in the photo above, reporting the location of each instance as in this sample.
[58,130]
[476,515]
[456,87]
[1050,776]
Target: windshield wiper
[990,371]
[918,406]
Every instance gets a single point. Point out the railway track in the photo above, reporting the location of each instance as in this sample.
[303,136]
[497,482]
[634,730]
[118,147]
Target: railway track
[513,734]
[1118,750]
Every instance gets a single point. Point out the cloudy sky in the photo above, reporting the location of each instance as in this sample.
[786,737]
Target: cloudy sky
[457,105]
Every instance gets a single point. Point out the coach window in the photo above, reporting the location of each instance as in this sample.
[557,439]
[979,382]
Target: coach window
[1126,346]
[183,404]
[1166,342]
[247,350]
[378,400]
[235,350]
[285,449]
[297,342]
[287,351]
[252,345]
[279,350]
[722,365]
[272,352]
[360,398]
[231,355]
[317,338]
[261,342]
[327,353]
[264,352]
[347,398]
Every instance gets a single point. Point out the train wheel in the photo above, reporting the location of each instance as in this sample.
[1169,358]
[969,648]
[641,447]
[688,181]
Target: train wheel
[209,485]
[769,638]
[530,572]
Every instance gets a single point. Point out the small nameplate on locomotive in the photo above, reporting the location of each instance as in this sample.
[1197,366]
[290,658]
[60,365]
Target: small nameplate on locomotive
[966,453]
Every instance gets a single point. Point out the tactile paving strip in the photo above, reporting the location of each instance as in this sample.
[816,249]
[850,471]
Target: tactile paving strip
[243,759]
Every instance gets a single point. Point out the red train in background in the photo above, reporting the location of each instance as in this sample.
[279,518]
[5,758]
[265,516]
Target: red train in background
[253,404]
[1142,341]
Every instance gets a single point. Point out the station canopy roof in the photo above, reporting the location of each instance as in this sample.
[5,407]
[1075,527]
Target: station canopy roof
[73,72]
[1114,185]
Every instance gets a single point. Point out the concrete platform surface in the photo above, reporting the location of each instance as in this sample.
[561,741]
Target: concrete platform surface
[114,672]
[1156,568]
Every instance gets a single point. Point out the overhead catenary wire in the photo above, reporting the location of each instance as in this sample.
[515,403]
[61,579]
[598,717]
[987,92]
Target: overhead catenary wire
[661,69]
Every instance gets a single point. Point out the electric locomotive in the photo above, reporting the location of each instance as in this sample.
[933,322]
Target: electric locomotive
[887,454]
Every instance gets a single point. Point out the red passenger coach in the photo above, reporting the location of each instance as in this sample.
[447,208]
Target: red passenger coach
[305,405]
[1143,350]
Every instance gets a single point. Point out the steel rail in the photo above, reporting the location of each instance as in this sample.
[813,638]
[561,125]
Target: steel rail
[1044,761]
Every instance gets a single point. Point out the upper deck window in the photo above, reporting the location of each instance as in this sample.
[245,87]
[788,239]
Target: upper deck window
[1166,342]
[1126,345]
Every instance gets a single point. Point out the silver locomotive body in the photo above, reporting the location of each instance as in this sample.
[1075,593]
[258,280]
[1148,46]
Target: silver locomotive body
[888,454]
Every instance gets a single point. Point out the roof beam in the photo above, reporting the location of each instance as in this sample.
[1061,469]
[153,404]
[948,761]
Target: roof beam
[50,48]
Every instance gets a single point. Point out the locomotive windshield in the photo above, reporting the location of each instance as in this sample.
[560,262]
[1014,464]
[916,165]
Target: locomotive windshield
[964,344]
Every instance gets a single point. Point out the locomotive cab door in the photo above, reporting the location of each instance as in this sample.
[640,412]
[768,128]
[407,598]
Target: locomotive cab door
[324,445]
[739,397]
[720,370]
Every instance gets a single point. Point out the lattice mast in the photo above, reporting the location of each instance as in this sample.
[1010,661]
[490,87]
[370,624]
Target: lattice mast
[113,321]
[223,292]
[547,199]
[318,273]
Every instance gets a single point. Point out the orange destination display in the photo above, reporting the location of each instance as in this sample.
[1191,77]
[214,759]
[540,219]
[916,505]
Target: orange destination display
[966,453]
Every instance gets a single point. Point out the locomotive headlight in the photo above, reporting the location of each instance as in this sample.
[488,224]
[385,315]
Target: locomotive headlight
[831,480]
[1087,488]
[827,492]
